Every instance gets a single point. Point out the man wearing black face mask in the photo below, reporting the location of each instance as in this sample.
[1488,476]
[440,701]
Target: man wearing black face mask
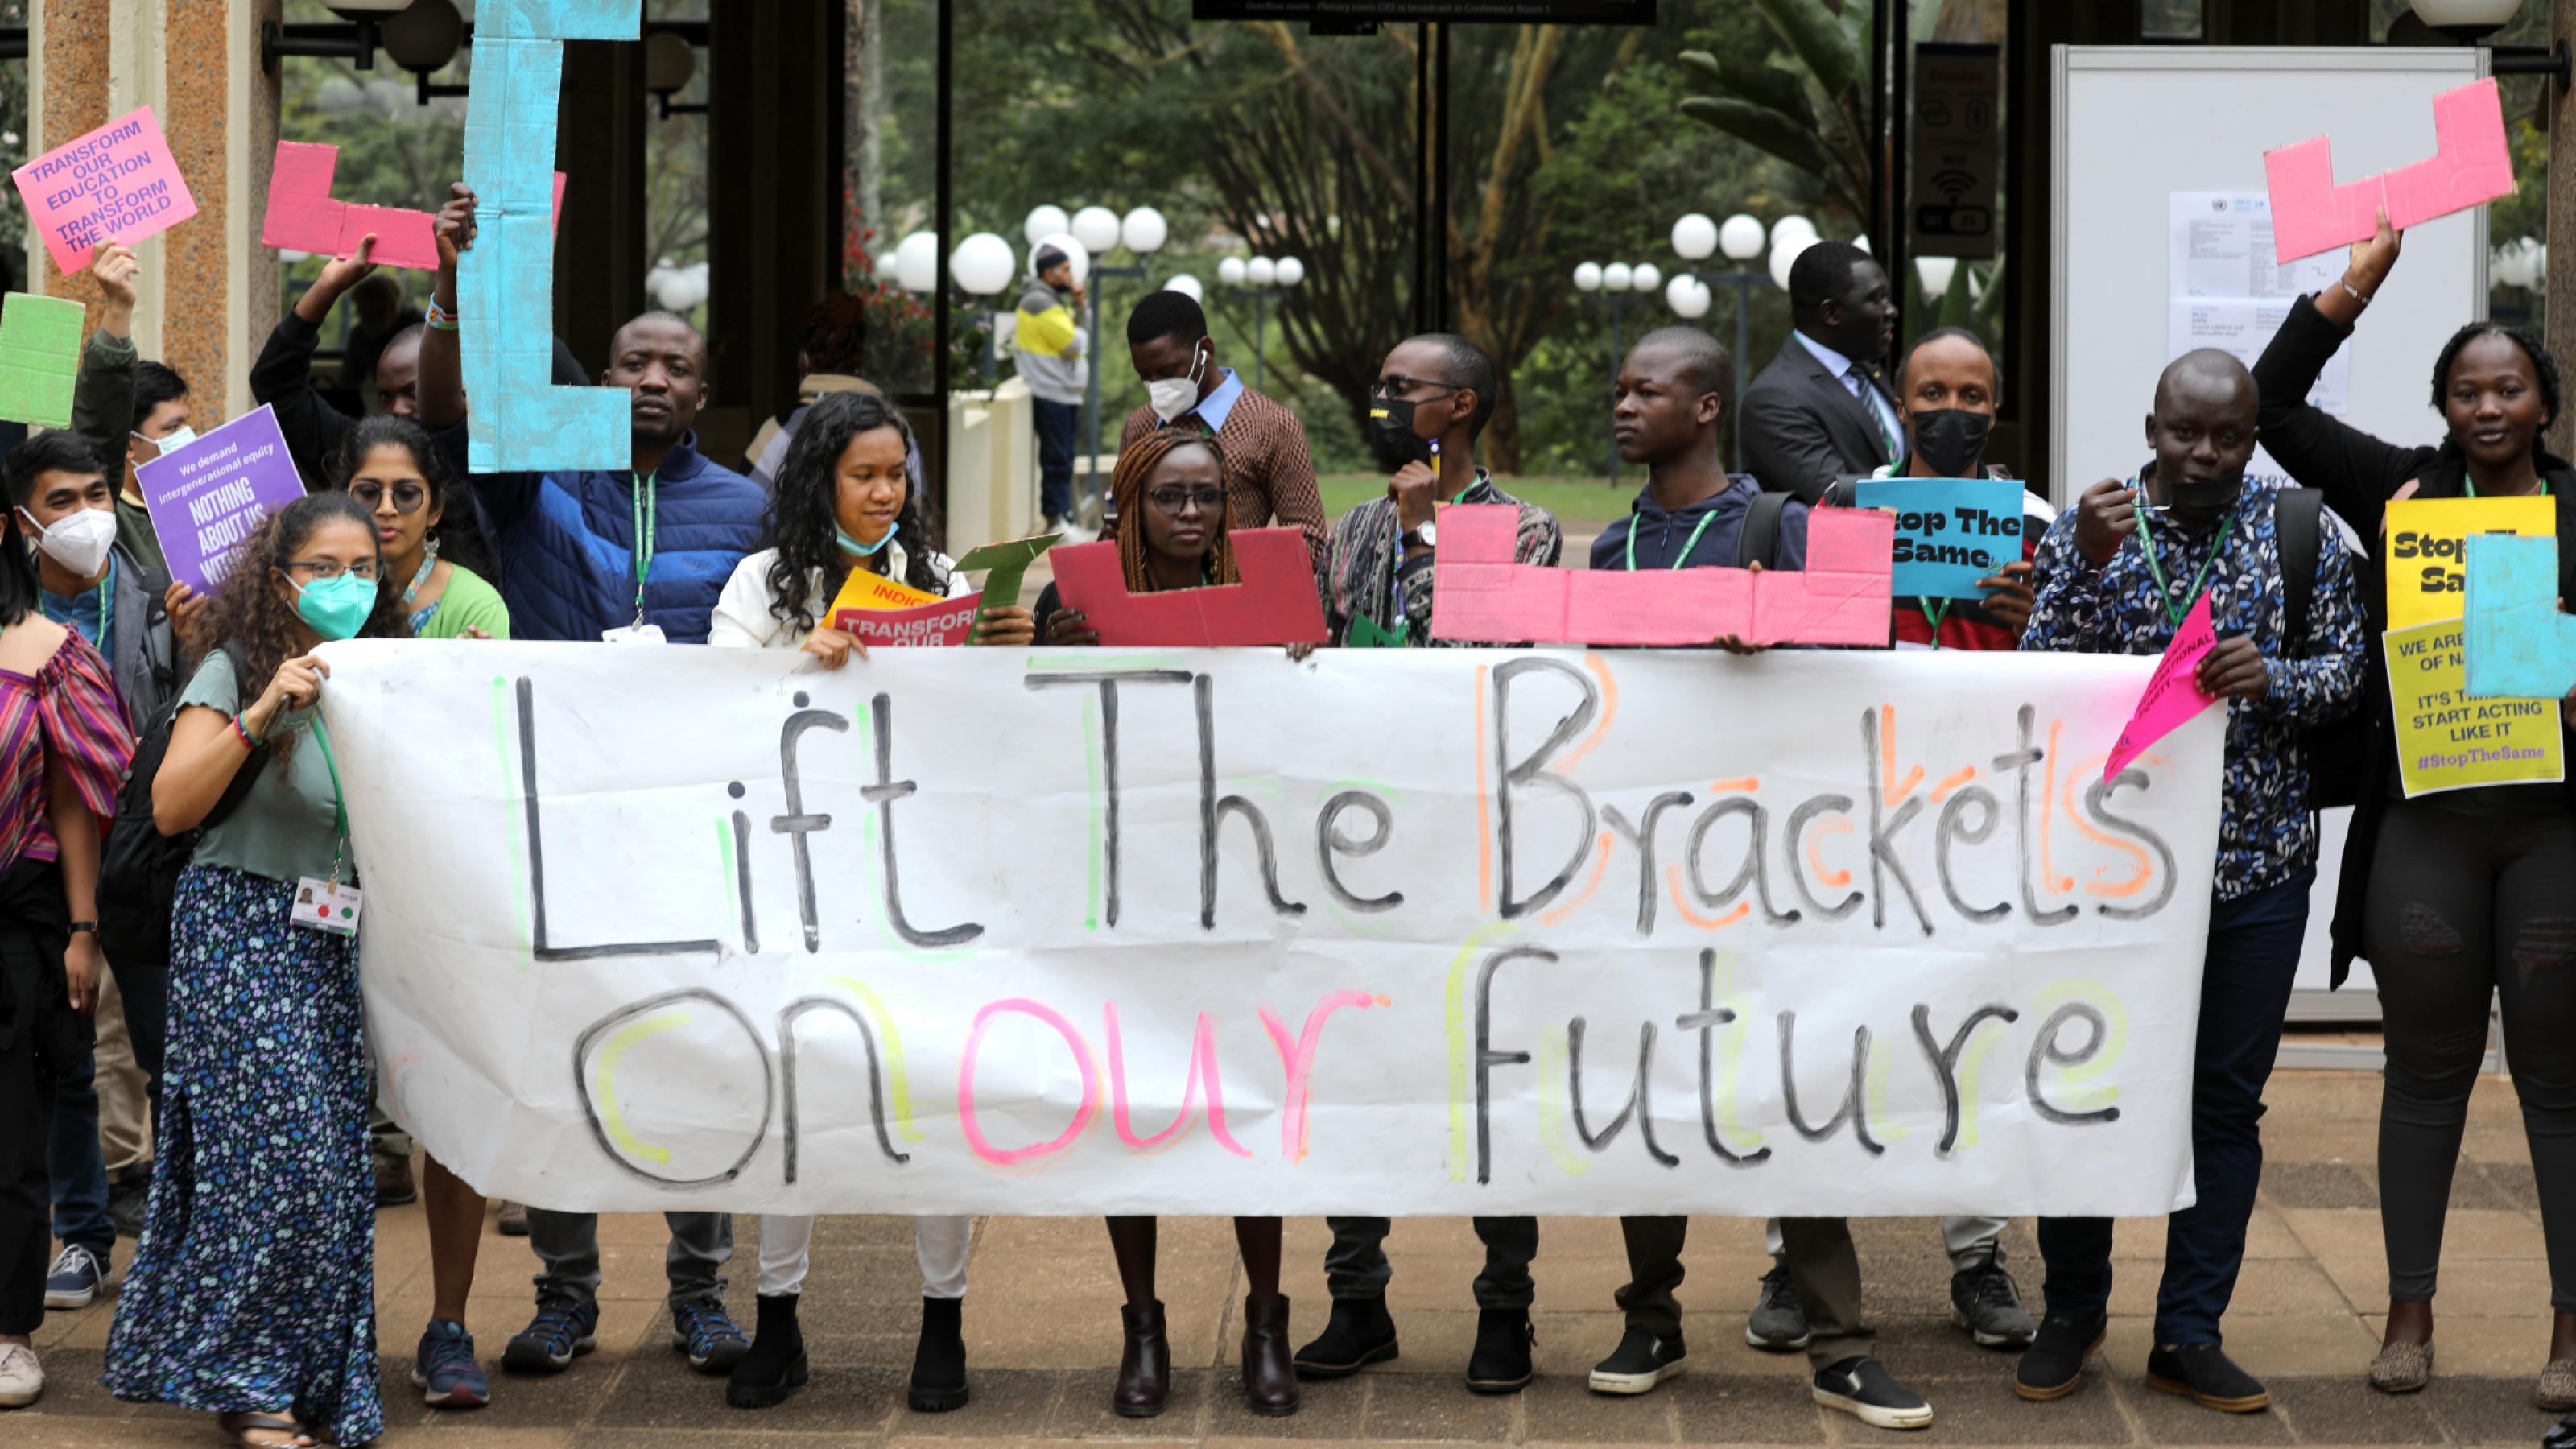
[2118,575]
[1432,399]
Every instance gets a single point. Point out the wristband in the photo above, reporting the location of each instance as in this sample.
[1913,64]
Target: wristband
[2347,286]
[80,926]
[440,319]
[243,730]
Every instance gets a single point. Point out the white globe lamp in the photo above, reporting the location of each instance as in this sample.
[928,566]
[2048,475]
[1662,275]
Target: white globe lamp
[1694,237]
[1741,238]
[1076,254]
[981,264]
[1188,286]
[1261,271]
[1646,277]
[916,262]
[1144,231]
[1688,296]
[1042,222]
[1784,256]
[1587,277]
[1618,277]
[1096,227]
[1231,271]
[1289,271]
[1791,226]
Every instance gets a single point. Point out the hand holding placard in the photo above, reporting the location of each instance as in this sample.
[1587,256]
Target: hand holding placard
[207,497]
[1951,533]
[2173,695]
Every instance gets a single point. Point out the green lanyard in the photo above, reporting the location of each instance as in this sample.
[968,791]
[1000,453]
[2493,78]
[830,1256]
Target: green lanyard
[2147,546]
[647,489]
[107,610]
[2473,488]
[339,804]
[1934,616]
[1680,558]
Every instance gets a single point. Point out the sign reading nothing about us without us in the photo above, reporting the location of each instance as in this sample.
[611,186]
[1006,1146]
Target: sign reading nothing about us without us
[1409,932]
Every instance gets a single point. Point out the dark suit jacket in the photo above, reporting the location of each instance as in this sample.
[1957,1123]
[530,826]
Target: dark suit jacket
[1803,429]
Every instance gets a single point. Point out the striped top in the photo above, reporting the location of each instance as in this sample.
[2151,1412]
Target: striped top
[69,710]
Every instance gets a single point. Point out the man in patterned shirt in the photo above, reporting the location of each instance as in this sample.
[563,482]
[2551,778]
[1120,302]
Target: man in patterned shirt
[1431,402]
[1269,474]
[2117,575]
[1433,397]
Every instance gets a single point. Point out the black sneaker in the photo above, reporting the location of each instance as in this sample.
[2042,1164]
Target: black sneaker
[1359,1333]
[2053,1366]
[703,1330]
[1778,1323]
[2202,1374]
[564,1326]
[1501,1361]
[1641,1361]
[1864,1389]
[1984,1301]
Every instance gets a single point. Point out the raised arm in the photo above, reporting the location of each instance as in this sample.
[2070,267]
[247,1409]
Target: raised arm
[283,375]
[103,398]
[442,364]
[2356,471]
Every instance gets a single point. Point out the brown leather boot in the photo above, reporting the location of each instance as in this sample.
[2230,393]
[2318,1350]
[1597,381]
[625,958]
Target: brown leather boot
[1145,1369]
[1269,1365]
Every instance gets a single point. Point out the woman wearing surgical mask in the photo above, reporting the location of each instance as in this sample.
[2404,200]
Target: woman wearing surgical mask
[390,466]
[252,1291]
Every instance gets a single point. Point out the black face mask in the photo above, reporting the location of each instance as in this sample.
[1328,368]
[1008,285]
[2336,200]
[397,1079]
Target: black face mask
[1951,440]
[1391,438]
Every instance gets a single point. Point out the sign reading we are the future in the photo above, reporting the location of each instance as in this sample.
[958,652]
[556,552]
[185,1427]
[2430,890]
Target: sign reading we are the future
[1212,931]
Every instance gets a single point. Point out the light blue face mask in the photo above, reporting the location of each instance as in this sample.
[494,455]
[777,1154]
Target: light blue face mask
[336,607]
[851,545]
[179,438]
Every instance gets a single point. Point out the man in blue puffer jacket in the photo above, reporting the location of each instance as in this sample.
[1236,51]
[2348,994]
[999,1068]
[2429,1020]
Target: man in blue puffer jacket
[567,542]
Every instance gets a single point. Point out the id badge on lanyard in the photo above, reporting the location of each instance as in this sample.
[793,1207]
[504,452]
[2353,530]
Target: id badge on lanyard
[327,905]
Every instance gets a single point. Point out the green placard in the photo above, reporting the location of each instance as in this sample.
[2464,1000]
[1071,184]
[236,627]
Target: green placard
[40,339]
[1009,563]
[1366,633]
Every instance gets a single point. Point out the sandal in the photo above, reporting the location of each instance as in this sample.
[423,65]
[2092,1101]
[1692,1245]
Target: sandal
[241,1426]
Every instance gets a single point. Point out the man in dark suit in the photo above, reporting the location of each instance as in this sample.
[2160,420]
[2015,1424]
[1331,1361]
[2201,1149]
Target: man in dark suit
[1821,410]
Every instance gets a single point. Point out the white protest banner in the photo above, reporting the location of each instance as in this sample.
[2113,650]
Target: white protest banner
[1420,931]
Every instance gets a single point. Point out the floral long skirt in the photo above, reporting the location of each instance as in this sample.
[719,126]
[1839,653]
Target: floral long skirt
[253,1287]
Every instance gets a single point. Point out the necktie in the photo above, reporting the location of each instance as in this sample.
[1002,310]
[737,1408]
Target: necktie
[1861,391]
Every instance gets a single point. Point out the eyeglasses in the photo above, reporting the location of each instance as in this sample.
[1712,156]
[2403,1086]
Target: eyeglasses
[1177,501]
[332,568]
[408,497]
[1402,386]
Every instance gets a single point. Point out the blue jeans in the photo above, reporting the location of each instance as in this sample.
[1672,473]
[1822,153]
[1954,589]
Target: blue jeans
[78,1166]
[1056,422]
[2253,953]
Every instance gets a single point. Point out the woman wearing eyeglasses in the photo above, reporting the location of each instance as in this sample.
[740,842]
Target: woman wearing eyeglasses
[252,1292]
[1169,489]
[396,473]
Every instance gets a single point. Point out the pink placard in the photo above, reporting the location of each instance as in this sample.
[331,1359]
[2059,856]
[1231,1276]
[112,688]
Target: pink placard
[302,216]
[1275,604]
[1841,597]
[118,183]
[941,625]
[2173,695]
[2470,165]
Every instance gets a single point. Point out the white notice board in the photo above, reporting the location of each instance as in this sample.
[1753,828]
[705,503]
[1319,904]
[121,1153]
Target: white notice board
[2139,127]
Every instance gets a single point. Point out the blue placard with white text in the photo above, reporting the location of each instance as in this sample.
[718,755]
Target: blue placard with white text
[1950,532]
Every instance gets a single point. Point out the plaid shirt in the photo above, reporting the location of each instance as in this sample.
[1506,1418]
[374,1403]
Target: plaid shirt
[2266,834]
[1269,474]
[1366,573]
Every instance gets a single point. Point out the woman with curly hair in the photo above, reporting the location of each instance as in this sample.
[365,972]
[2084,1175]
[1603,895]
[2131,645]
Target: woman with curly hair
[252,1291]
[844,503]
[1169,489]
[2454,898]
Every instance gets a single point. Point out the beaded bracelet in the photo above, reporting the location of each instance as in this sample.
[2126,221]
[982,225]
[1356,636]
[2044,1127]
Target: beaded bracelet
[440,318]
[243,730]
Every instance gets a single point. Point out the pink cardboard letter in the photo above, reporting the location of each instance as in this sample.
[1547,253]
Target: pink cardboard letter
[303,217]
[2173,695]
[1275,603]
[118,183]
[2470,165]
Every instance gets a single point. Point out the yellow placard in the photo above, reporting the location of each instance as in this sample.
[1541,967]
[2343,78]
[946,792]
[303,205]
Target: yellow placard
[2449,741]
[2427,571]
[866,590]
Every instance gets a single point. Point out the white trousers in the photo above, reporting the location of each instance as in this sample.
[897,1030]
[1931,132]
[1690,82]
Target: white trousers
[787,1242]
[1966,1239]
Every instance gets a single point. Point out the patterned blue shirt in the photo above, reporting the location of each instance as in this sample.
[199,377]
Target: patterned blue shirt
[2266,833]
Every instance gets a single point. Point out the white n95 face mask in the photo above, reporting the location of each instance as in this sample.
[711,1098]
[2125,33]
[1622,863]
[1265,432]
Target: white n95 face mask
[1170,397]
[79,540]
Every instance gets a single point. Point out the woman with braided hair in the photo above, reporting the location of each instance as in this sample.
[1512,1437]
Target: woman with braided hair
[1170,495]
[1169,490]
[2456,897]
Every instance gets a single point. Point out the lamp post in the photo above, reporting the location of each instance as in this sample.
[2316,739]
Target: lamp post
[1741,238]
[981,267]
[1615,286]
[1267,281]
[1088,236]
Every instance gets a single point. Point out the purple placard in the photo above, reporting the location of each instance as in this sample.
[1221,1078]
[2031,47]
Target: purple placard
[206,498]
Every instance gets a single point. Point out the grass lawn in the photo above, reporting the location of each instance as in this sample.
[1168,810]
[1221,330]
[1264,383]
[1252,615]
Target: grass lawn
[1574,501]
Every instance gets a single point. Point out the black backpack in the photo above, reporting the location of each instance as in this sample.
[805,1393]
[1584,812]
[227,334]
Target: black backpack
[2336,752]
[138,867]
[1759,537]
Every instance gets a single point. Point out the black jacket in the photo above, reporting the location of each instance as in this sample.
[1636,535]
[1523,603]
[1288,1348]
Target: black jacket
[1803,429]
[2357,473]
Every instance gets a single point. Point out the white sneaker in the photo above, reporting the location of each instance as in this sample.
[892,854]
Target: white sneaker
[22,1379]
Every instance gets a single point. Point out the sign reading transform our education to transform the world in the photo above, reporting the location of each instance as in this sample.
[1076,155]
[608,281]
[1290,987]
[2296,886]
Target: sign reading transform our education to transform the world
[1416,931]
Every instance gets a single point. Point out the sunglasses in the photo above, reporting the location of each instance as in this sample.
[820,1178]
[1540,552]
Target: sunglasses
[408,497]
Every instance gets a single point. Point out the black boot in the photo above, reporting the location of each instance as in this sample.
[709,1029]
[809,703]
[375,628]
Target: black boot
[1145,1367]
[775,1367]
[1500,1363]
[939,1362]
[1269,1373]
[1360,1333]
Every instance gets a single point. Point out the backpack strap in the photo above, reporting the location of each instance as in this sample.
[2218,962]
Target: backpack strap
[1760,537]
[2297,515]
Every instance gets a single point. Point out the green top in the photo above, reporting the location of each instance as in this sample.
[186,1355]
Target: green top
[282,829]
[467,603]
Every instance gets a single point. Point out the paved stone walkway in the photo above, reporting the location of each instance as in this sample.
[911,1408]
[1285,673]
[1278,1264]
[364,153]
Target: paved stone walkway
[1042,1332]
